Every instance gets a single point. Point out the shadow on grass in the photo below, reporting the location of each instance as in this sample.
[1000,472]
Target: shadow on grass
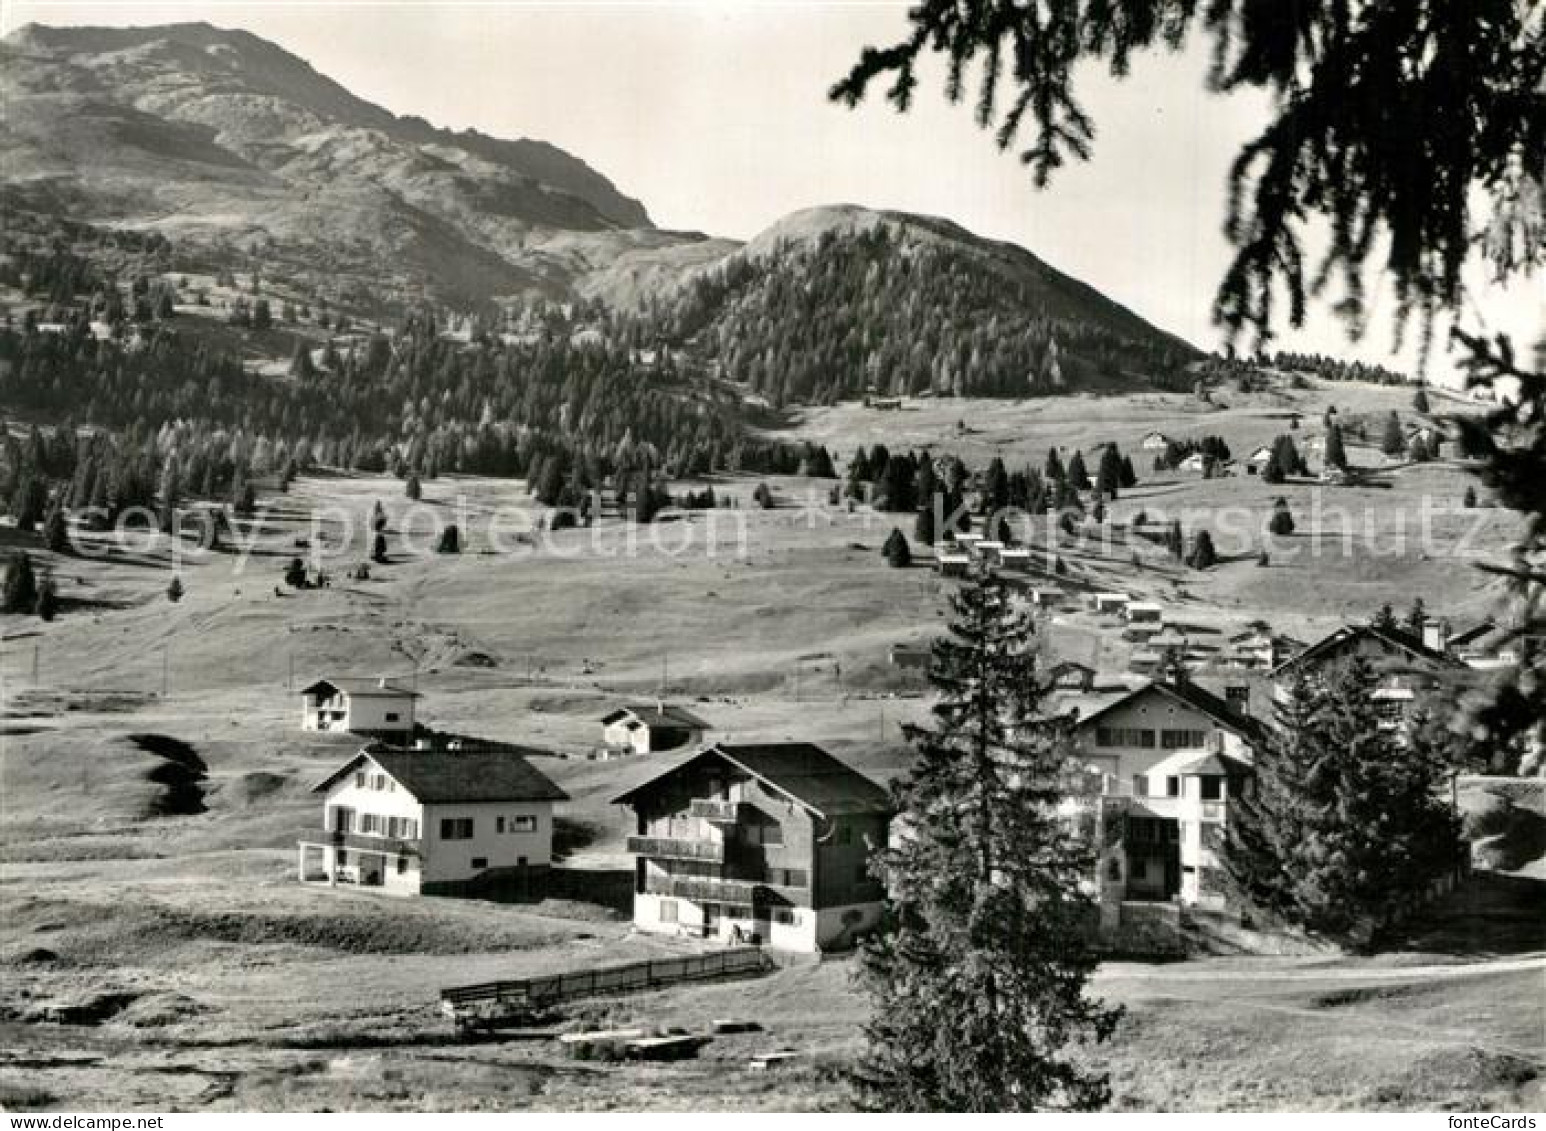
[1489,914]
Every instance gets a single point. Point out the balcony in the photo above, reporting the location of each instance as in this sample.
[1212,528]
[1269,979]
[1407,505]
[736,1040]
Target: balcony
[703,889]
[713,809]
[669,848]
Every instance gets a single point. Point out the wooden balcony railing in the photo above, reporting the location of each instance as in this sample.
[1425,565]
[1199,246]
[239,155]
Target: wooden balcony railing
[705,889]
[671,848]
[713,809]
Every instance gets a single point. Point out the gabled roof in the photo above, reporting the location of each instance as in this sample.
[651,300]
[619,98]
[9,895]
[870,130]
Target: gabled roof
[443,776]
[362,687]
[1328,646]
[1190,763]
[657,715]
[1471,635]
[1188,695]
[802,771]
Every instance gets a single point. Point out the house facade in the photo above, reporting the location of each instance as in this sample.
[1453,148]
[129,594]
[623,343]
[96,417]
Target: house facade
[378,707]
[769,843]
[1170,755]
[434,822]
[1406,670]
[649,728]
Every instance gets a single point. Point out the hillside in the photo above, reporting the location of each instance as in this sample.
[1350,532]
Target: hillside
[247,159]
[216,134]
[836,302]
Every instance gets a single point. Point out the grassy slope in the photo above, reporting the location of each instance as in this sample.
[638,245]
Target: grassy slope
[788,641]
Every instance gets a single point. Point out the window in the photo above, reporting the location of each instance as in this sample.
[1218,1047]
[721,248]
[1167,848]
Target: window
[480,861]
[1124,736]
[359,780]
[787,877]
[520,861]
[499,824]
[1140,785]
[1237,696]
[523,823]
[456,828]
[786,918]
[668,911]
[1172,787]
[368,824]
[392,716]
[1212,788]
[343,857]
[402,865]
[1183,739]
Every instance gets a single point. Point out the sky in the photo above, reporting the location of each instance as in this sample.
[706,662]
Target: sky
[715,116]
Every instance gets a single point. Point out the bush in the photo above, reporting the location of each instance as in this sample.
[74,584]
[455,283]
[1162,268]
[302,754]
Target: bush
[295,574]
[450,540]
[763,497]
[174,589]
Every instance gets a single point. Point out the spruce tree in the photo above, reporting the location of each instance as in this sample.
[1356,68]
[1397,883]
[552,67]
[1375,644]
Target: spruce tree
[896,550]
[412,488]
[978,984]
[1282,521]
[1203,555]
[56,529]
[19,592]
[1393,442]
[47,604]
[1078,476]
[174,589]
[923,525]
[1336,454]
[1420,400]
[450,540]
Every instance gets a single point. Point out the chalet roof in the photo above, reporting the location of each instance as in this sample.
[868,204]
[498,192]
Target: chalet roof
[1472,634]
[665,715]
[802,771]
[361,687]
[1328,647]
[1188,695]
[444,776]
[1194,763]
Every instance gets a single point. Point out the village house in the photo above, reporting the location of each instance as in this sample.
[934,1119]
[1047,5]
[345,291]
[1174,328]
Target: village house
[434,822]
[1155,442]
[1257,461]
[1170,754]
[371,707]
[639,728]
[1406,669]
[1043,597]
[1014,557]
[768,843]
[952,564]
[1145,613]
[1071,675]
[1109,602]
[1196,463]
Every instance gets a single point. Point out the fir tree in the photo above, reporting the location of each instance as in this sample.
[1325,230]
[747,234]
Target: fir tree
[896,550]
[174,589]
[1282,521]
[978,985]
[450,540]
[378,550]
[1469,502]
[923,525]
[1415,618]
[1393,442]
[56,529]
[1203,555]
[19,592]
[47,604]
[412,488]
[1420,400]
[1385,618]
[1336,454]
[295,574]
[1078,476]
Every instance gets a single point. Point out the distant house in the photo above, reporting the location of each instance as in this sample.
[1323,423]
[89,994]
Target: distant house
[1145,612]
[910,657]
[1155,442]
[769,843]
[378,707]
[1257,649]
[434,822]
[1257,461]
[1196,462]
[1043,597]
[988,550]
[1131,734]
[1109,602]
[640,728]
[1070,675]
[1407,670]
[952,564]
[1014,557]
[1144,661]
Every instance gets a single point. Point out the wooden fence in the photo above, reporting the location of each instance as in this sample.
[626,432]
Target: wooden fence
[635,976]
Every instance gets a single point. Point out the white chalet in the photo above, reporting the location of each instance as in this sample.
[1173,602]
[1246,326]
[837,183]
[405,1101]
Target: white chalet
[434,822]
[358,706]
[641,728]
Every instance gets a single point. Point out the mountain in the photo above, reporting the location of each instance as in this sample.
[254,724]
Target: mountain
[248,159]
[841,301]
[210,133]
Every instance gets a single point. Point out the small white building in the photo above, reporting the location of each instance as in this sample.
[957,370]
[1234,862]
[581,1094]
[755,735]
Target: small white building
[1196,462]
[952,565]
[434,822]
[1145,612]
[1155,442]
[1014,557]
[640,728]
[358,706]
[1110,602]
[1257,461]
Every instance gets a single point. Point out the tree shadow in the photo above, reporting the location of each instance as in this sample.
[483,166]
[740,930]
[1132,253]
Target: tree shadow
[1488,914]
